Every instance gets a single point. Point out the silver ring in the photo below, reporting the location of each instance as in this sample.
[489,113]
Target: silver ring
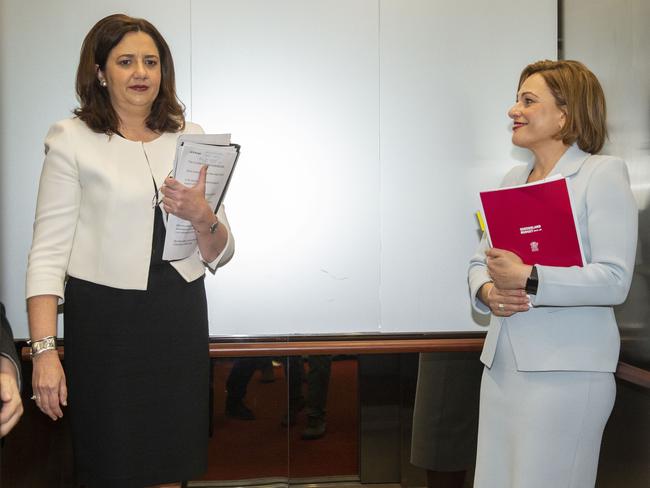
[34,397]
[501,307]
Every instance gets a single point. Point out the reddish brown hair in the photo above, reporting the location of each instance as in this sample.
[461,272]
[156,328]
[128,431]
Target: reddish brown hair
[95,108]
[579,95]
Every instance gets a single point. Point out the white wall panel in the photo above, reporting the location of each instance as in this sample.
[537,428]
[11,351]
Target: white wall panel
[297,85]
[449,73]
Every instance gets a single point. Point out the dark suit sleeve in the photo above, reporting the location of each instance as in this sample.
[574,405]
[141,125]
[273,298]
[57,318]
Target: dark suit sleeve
[7,346]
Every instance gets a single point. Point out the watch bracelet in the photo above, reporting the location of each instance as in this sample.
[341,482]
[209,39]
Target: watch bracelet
[40,346]
[532,282]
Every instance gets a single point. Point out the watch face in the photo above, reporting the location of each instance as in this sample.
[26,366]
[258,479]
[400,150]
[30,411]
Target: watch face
[531,285]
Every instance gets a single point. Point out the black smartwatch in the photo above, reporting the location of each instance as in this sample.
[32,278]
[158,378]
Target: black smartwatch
[532,282]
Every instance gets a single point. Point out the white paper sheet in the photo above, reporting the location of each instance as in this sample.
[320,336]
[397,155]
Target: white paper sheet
[192,153]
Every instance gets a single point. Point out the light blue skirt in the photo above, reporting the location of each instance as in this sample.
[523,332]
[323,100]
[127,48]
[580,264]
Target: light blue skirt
[540,429]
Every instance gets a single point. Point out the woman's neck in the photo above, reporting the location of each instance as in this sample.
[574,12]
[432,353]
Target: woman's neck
[133,126]
[546,158]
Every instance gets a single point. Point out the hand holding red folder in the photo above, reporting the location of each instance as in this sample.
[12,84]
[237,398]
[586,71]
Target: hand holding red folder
[506,269]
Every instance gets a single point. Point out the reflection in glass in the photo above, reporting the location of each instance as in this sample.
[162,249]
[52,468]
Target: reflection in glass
[318,379]
[278,420]
[248,442]
[323,418]
[445,418]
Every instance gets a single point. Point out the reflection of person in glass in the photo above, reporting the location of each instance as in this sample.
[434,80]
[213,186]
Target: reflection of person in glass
[136,329]
[318,380]
[445,416]
[237,384]
[552,346]
[11,405]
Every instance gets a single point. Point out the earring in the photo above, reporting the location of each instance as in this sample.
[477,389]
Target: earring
[103,83]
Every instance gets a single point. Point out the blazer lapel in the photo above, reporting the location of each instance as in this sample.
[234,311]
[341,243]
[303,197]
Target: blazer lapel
[568,165]
[570,162]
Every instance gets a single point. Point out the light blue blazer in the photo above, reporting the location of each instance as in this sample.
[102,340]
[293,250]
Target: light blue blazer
[571,326]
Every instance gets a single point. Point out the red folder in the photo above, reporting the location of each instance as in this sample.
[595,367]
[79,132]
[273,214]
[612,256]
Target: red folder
[535,221]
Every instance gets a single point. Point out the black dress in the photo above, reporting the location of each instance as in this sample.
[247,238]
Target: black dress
[137,372]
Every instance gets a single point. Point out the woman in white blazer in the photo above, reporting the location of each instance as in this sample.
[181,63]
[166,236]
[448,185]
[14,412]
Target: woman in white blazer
[136,327]
[552,344]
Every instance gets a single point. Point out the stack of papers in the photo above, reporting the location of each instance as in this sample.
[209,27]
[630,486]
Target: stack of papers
[193,151]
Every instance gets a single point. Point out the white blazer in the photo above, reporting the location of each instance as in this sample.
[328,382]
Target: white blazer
[94,214]
[571,325]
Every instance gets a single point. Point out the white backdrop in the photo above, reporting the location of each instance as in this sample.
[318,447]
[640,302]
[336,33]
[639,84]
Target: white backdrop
[367,129]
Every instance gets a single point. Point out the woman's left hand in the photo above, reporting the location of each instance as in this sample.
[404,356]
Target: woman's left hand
[187,203]
[506,269]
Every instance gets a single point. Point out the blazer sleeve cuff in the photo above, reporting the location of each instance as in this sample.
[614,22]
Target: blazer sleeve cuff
[224,256]
[229,249]
[477,304]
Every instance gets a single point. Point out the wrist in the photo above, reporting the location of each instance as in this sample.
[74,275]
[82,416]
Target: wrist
[525,273]
[10,377]
[7,367]
[207,223]
[41,346]
[50,353]
[484,291]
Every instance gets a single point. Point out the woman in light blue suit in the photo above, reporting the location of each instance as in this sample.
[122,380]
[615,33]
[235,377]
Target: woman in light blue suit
[552,345]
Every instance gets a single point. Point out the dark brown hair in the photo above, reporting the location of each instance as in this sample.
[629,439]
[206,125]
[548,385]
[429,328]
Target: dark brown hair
[95,108]
[579,95]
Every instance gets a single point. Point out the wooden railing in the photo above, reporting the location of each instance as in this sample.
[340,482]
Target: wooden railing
[240,347]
